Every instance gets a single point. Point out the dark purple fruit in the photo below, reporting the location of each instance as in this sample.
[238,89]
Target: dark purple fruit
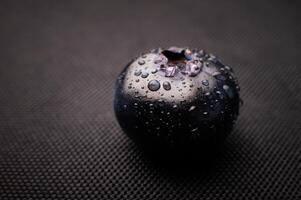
[177,100]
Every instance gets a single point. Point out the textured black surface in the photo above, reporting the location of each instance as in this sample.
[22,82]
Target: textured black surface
[59,138]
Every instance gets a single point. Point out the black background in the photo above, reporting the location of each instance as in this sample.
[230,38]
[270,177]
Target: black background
[59,60]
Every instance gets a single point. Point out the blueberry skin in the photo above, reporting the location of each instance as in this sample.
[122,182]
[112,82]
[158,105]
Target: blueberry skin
[177,101]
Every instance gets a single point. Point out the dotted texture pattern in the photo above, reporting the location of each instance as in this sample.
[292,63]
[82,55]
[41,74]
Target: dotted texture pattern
[59,60]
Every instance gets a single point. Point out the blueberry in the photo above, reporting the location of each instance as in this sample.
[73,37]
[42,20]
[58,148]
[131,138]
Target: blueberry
[177,100]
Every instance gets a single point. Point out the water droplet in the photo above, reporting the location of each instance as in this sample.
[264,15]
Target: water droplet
[205,82]
[191,85]
[228,68]
[219,76]
[192,108]
[157,50]
[137,73]
[166,85]
[137,80]
[125,106]
[144,74]
[225,87]
[207,93]
[205,113]
[193,68]
[195,129]
[157,61]
[202,53]
[188,53]
[154,71]
[175,106]
[135,104]
[141,62]
[216,73]
[154,85]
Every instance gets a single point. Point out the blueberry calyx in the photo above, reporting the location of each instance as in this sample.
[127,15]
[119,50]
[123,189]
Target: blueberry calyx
[180,60]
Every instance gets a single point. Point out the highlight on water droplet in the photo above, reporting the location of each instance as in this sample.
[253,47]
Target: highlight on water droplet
[192,108]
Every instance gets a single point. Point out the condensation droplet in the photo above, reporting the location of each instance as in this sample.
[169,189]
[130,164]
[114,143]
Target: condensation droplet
[137,73]
[144,74]
[166,85]
[157,61]
[154,71]
[228,68]
[137,80]
[205,113]
[205,82]
[154,85]
[195,129]
[220,77]
[225,87]
[141,62]
[192,108]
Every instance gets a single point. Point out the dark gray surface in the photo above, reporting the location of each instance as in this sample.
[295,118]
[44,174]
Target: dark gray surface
[59,138]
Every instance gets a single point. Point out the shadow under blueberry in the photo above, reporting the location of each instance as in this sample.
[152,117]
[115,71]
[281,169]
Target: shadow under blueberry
[201,163]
